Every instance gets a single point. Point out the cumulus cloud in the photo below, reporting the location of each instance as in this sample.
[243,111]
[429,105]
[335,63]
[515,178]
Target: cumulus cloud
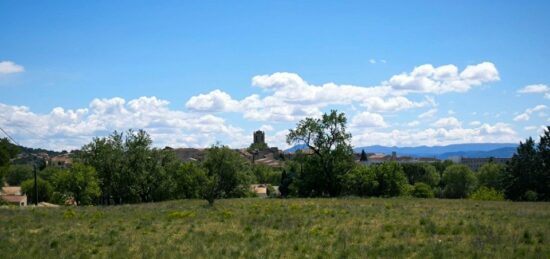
[448,123]
[368,120]
[525,116]
[498,132]
[442,79]
[288,97]
[430,113]
[537,88]
[9,67]
[69,129]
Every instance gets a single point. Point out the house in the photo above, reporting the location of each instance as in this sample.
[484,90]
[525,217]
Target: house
[62,161]
[13,195]
[259,189]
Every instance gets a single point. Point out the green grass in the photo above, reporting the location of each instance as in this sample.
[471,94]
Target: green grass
[273,228]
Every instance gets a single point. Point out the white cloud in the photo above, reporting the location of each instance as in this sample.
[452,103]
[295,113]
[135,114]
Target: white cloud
[70,129]
[413,123]
[448,123]
[537,88]
[430,113]
[9,67]
[372,61]
[392,104]
[368,120]
[525,116]
[430,79]
[214,101]
[475,123]
[266,127]
[288,97]
[498,132]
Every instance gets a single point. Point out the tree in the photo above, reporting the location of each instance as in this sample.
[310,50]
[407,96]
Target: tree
[190,179]
[421,172]
[332,155]
[361,181]
[18,173]
[284,186]
[7,152]
[391,179]
[422,190]
[364,157]
[459,181]
[79,182]
[491,175]
[523,170]
[266,175]
[44,189]
[226,174]
[529,170]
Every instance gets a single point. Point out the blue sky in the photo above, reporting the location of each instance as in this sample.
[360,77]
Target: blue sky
[193,73]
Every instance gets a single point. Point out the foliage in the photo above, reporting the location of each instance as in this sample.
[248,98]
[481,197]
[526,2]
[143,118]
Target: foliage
[529,169]
[332,155]
[257,147]
[361,181]
[266,175]
[7,152]
[385,180]
[487,194]
[422,190]
[189,179]
[226,174]
[44,190]
[459,181]
[363,157]
[79,182]
[421,172]
[129,170]
[492,175]
[19,173]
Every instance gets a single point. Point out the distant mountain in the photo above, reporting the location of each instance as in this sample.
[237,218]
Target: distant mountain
[503,150]
[296,148]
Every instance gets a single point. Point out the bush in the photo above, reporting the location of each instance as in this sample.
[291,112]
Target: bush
[44,189]
[530,196]
[491,175]
[422,190]
[18,173]
[360,181]
[487,194]
[459,181]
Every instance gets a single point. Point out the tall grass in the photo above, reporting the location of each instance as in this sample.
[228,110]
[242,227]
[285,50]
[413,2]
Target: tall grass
[272,228]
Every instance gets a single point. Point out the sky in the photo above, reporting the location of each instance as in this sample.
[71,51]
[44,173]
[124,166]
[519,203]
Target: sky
[194,73]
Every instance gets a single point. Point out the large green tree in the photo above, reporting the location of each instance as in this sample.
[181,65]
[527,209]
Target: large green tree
[7,152]
[44,188]
[459,181]
[227,174]
[331,153]
[529,170]
[492,175]
[79,182]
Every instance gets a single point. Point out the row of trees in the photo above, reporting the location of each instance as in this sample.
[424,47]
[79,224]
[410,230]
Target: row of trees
[329,170]
[124,168]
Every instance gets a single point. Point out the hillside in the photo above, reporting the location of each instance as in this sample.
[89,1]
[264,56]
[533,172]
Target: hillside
[276,228]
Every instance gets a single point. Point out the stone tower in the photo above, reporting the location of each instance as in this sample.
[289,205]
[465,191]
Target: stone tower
[259,137]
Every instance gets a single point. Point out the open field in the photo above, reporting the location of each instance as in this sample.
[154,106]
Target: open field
[273,228]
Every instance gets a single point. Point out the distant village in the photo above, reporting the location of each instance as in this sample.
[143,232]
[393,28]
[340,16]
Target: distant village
[258,153]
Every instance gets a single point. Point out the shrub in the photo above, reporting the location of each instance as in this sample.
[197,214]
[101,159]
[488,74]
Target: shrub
[422,190]
[44,189]
[491,175]
[18,173]
[459,181]
[487,194]
[530,196]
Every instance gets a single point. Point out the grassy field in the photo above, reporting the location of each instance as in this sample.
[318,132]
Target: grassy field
[273,228]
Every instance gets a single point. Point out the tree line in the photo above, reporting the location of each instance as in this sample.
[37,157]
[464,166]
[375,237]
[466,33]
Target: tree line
[124,168]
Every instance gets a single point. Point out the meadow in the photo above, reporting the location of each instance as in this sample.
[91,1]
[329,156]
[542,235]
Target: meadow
[276,228]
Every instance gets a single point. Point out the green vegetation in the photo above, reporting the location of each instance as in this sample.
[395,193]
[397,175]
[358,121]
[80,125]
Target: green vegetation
[276,228]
